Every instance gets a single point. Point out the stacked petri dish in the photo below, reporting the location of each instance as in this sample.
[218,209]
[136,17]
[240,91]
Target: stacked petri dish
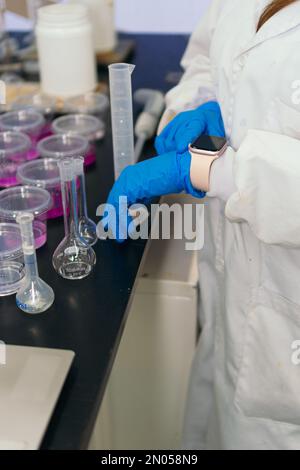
[44,104]
[12,269]
[84,125]
[14,150]
[92,103]
[29,122]
[61,146]
[44,173]
[37,201]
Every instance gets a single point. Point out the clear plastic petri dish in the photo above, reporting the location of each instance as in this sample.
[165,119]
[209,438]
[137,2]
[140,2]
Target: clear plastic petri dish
[31,199]
[44,104]
[44,173]
[90,103]
[84,125]
[12,269]
[28,121]
[14,150]
[63,146]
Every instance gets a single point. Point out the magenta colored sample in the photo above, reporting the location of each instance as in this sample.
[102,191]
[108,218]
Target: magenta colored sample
[40,233]
[20,199]
[57,207]
[46,131]
[8,181]
[90,156]
[32,154]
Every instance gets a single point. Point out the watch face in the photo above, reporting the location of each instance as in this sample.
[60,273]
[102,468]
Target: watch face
[209,143]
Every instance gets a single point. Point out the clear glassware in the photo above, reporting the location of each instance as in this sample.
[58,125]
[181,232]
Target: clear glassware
[86,227]
[12,269]
[72,259]
[34,295]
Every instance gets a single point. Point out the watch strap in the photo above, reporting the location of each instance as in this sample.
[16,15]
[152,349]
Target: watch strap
[200,169]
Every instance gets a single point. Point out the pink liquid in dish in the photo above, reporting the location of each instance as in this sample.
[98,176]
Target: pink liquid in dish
[40,233]
[46,131]
[8,170]
[8,173]
[57,209]
[33,153]
[6,182]
[57,205]
[90,156]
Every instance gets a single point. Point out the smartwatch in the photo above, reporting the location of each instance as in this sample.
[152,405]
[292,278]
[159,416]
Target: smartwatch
[204,151]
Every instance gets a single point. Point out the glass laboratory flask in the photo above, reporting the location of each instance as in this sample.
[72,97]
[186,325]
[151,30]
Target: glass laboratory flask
[34,295]
[73,259]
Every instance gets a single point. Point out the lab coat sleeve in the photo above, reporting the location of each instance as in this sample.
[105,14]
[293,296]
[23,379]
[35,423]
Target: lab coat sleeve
[263,177]
[196,86]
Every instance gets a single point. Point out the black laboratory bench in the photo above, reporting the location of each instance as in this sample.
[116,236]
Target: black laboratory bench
[89,316]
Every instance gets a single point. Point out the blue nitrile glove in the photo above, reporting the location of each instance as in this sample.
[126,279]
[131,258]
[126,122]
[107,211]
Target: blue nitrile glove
[158,176]
[187,126]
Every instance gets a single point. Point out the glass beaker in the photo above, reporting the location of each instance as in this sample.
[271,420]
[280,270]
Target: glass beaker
[72,259]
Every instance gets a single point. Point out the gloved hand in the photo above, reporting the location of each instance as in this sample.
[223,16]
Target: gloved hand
[158,176]
[187,126]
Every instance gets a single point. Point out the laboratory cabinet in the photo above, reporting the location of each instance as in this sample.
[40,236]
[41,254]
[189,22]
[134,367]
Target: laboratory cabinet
[143,406]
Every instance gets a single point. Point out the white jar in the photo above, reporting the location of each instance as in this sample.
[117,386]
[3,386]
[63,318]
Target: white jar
[103,23]
[65,48]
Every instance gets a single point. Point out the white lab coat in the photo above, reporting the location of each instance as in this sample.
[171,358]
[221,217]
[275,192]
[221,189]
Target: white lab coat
[245,382]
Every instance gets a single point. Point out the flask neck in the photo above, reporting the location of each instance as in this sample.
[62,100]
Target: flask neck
[31,266]
[82,204]
[28,245]
[70,205]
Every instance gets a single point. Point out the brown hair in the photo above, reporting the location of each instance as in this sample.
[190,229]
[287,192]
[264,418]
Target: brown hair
[271,10]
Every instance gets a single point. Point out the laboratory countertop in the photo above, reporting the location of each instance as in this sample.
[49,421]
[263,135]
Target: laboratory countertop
[89,316]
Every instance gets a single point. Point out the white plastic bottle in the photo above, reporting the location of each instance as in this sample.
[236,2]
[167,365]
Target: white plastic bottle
[65,49]
[103,22]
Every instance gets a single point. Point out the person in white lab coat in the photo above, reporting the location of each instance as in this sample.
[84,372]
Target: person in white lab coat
[245,383]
